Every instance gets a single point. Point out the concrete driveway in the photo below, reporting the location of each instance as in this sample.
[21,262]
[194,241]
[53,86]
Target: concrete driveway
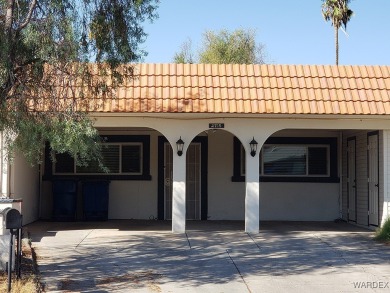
[144,256]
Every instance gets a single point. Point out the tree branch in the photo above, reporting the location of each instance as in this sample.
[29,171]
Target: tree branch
[31,61]
[28,17]
[8,18]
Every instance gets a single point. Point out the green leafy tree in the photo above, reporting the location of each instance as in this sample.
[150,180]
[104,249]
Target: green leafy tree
[338,12]
[47,81]
[185,55]
[237,47]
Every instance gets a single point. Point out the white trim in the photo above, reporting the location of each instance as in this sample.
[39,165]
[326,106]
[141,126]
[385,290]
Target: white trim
[386,176]
[252,194]
[179,193]
[201,116]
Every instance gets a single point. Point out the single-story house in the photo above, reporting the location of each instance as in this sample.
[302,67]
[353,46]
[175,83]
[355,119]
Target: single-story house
[233,142]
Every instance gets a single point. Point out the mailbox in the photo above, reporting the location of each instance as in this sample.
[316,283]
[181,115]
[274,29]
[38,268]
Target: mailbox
[12,218]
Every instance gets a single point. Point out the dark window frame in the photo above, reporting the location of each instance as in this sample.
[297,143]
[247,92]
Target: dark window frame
[119,157]
[333,159]
[145,175]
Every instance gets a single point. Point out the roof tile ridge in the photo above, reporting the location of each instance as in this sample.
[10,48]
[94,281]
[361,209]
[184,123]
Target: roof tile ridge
[229,70]
[243,70]
[222,70]
[286,70]
[165,69]
[313,71]
[363,71]
[186,69]
[236,70]
[215,69]
[306,71]
[385,70]
[251,70]
[201,70]
[207,70]
[271,70]
[264,70]
[179,69]
[299,70]
[378,71]
[278,70]
[321,71]
[335,71]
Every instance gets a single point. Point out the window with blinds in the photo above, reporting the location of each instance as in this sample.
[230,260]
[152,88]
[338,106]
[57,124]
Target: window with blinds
[118,158]
[295,160]
[291,160]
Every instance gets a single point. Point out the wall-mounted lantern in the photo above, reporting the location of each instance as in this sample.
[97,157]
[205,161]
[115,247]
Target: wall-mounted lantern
[180,145]
[253,145]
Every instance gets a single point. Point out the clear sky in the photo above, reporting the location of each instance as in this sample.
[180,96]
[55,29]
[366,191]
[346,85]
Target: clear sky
[293,31]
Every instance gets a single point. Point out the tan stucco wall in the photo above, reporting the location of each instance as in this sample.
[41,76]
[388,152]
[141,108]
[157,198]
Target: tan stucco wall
[226,199]
[299,201]
[278,200]
[25,185]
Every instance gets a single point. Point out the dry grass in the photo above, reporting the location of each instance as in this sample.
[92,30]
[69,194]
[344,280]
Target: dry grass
[24,285]
[29,281]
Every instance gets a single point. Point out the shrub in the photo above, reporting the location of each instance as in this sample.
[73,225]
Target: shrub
[383,233]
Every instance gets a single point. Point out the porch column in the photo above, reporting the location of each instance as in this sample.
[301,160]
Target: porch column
[179,193]
[252,212]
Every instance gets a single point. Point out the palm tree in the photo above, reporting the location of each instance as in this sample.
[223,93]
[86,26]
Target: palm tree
[339,13]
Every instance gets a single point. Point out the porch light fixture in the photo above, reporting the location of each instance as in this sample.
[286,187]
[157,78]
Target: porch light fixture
[253,145]
[180,145]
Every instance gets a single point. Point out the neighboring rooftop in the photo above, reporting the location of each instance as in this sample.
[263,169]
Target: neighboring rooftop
[255,89]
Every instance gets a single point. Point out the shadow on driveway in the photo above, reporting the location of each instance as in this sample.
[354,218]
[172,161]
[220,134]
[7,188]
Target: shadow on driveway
[213,256]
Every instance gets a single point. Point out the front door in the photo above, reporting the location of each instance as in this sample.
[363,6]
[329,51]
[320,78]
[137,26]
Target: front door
[351,180]
[193,181]
[373,179]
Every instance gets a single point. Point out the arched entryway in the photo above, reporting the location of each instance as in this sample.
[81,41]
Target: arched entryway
[196,179]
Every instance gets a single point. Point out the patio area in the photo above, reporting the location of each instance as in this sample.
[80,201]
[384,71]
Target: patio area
[213,256]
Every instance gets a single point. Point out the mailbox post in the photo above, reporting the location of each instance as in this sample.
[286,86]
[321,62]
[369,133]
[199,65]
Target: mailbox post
[13,222]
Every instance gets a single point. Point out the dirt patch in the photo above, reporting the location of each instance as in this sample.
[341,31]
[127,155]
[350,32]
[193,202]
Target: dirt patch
[66,284]
[132,280]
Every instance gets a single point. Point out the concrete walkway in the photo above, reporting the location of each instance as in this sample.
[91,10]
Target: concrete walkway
[144,256]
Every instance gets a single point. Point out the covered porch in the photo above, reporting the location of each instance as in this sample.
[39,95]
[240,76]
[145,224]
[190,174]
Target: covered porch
[218,186]
[307,122]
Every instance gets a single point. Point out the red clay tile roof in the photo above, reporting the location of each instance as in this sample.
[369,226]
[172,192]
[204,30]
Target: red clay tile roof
[255,89]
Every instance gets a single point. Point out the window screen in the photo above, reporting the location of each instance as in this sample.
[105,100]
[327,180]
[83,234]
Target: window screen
[318,160]
[117,159]
[64,163]
[131,158]
[110,154]
[284,160]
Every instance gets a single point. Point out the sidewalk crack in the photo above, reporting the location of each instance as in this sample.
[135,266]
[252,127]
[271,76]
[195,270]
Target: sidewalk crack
[238,270]
[83,239]
[188,240]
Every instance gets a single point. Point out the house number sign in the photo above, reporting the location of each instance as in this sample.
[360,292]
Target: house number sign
[216,125]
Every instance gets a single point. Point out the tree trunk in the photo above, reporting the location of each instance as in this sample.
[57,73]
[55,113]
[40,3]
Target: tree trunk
[6,55]
[8,18]
[336,41]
